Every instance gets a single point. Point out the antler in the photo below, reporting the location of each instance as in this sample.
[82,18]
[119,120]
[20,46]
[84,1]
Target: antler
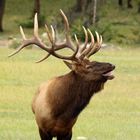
[79,52]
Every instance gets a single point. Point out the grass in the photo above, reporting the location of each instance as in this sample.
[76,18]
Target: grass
[113,114]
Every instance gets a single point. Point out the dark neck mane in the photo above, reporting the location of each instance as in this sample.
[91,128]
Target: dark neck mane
[80,92]
[85,87]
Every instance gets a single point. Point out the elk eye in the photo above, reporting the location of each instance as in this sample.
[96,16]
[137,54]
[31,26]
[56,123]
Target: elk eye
[89,67]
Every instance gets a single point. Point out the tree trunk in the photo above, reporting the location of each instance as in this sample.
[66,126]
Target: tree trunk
[129,4]
[2,7]
[87,3]
[120,2]
[36,7]
[138,7]
[101,2]
[86,10]
[94,11]
[79,5]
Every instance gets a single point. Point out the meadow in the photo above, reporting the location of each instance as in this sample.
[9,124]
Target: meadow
[113,114]
[117,25]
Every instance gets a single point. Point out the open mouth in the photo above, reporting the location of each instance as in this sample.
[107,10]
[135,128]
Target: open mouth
[109,74]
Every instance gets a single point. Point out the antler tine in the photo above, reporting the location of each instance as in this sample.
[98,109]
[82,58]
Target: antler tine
[22,33]
[87,50]
[22,46]
[97,46]
[48,33]
[86,40]
[77,45]
[67,31]
[15,52]
[97,37]
[36,26]
[42,59]
[65,20]
[53,34]
[101,39]
[91,35]
[76,39]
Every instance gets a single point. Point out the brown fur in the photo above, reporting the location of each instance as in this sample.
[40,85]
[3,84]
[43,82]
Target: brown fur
[58,102]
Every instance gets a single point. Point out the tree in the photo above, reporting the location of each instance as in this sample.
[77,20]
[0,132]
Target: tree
[129,3]
[94,11]
[138,7]
[120,2]
[36,7]
[79,5]
[85,10]
[2,7]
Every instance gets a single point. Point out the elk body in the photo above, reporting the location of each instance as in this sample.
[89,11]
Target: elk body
[59,101]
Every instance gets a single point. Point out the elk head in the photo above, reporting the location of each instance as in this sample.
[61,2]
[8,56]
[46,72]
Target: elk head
[79,61]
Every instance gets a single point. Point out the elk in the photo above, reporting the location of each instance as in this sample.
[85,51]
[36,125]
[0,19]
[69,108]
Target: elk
[59,101]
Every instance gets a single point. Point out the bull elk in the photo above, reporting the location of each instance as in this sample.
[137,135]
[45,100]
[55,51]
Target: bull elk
[59,101]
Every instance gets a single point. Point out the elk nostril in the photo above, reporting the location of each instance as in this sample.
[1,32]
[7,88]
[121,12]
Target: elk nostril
[113,66]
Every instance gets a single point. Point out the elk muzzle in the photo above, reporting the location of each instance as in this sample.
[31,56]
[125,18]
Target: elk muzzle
[109,73]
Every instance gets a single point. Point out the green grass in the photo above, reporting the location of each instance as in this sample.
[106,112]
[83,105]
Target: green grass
[113,114]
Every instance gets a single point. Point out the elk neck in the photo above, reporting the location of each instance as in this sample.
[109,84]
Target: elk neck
[79,93]
[85,87]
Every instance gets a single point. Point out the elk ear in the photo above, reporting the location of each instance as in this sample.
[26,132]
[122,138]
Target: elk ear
[69,65]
